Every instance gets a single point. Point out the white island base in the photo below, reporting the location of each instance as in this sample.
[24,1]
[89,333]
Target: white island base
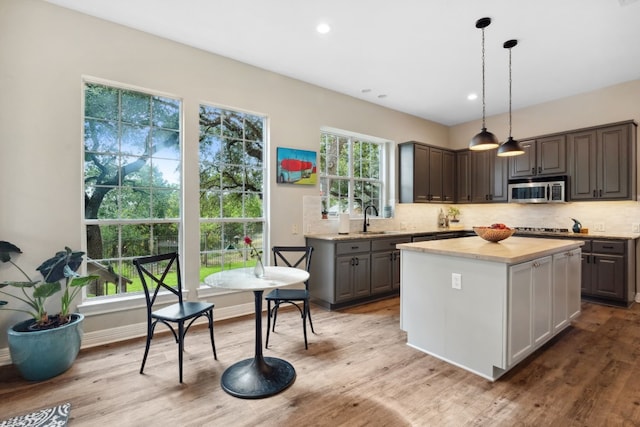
[486,306]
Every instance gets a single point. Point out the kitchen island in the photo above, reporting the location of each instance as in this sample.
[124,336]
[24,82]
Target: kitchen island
[486,306]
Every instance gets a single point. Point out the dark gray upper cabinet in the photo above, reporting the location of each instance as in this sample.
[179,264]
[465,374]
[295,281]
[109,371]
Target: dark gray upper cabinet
[488,177]
[602,162]
[427,174]
[542,157]
[463,176]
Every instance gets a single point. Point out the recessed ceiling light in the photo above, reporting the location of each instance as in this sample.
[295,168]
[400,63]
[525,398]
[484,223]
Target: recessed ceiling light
[323,28]
[472,96]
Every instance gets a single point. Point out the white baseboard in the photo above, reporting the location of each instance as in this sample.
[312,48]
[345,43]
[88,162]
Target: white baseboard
[108,336]
[638,297]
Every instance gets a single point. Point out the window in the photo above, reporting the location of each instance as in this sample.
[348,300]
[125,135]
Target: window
[231,188]
[132,182]
[352,173]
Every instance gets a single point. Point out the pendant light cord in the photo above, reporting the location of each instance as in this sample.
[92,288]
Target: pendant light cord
[483,103]
[509,92]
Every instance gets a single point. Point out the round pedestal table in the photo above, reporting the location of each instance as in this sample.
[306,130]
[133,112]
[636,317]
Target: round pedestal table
[259,376]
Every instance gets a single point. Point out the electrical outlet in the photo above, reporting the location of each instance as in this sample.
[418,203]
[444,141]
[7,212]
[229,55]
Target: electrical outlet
[456,280]
[294,229]
[599,226]
[635,227]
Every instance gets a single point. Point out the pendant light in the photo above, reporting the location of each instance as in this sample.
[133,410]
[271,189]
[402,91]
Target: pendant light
[510,147]
[485,140]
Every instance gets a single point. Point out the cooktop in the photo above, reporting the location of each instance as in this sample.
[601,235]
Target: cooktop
[543,229]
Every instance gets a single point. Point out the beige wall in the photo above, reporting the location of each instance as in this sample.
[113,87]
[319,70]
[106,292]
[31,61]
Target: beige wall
[44,53]
[608,105]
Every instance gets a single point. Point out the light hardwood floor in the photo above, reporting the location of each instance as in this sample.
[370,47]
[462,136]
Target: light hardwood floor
[358,371]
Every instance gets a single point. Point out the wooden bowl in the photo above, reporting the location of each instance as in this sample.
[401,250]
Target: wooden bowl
[494,234]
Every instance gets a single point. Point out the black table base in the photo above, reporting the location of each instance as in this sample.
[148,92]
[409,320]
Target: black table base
[261,376]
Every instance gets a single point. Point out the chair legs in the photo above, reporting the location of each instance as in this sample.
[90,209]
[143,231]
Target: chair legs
[179,337]
[146,349]
[305,313]
[213,343]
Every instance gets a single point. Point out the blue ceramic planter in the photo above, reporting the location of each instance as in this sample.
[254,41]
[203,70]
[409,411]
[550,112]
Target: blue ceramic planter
[40,355]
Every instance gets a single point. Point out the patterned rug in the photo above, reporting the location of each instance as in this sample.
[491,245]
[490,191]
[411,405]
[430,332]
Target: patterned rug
[49,417]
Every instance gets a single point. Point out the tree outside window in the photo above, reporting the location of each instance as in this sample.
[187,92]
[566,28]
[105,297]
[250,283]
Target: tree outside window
[232,174]
[132,182]
[351,173]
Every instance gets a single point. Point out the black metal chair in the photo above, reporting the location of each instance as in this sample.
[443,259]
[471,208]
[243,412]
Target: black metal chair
[162,272]
[299,255]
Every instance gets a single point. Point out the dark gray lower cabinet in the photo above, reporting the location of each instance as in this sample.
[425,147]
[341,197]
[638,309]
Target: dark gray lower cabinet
[604,273]
[608,269]
[348,272]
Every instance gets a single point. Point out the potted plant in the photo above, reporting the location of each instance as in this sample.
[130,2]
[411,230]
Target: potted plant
[324,210]
[45,345]
[453,213]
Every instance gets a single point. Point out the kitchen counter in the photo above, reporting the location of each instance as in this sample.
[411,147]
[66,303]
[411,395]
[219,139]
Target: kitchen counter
[571,235]
[436,231]
[384,233]
[510,251]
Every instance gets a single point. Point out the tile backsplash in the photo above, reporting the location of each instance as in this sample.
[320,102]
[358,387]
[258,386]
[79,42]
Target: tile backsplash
[615,217]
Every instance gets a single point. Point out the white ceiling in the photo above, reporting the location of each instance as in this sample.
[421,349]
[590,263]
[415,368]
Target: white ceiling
[424,55]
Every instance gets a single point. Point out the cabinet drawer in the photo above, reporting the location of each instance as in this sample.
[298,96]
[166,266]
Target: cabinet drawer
[608,247]
[387,244]
[587,246]
[353,247]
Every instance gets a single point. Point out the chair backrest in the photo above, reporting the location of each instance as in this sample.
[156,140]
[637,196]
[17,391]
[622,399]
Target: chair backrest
[159,272]
[294,256]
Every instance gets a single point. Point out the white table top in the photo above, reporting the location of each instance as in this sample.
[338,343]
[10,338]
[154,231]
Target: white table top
[243,279]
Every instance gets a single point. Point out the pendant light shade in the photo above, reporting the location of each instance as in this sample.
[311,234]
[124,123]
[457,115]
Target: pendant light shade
[510,147]
[485,140]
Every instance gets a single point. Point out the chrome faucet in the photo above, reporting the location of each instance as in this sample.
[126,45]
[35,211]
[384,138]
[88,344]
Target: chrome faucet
[365,223]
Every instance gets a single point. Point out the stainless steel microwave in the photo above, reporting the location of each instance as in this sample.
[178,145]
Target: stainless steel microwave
[538,190]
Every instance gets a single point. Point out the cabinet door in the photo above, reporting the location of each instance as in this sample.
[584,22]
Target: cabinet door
[573,284]
[499,179]
[524,165]
[395,270]
[344,278]
[560,291]
[435,175]
[582,167]
[463,175]
[608,276]
[414,173]
[362,276]
[542,280]
[520,312]
[381,271]
[551,155]
[566,288]
[613,162]
[448,176]
[529,310]
[481,169]
[586,273]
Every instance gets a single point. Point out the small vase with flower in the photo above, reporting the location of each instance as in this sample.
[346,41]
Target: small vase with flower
[258,270]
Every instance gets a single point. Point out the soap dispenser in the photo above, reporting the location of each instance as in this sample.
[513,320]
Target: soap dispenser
[576,225]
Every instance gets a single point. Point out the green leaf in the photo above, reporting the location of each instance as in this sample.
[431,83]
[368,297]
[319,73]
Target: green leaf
[19,284]
[45,290]
[83,281]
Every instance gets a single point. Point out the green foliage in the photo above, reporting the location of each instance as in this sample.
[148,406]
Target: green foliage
[63,265]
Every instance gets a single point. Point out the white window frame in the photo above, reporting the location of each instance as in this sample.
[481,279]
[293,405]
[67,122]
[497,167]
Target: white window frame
[386,180]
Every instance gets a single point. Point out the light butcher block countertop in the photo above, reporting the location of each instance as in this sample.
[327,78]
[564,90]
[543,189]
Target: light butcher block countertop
[513,250]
